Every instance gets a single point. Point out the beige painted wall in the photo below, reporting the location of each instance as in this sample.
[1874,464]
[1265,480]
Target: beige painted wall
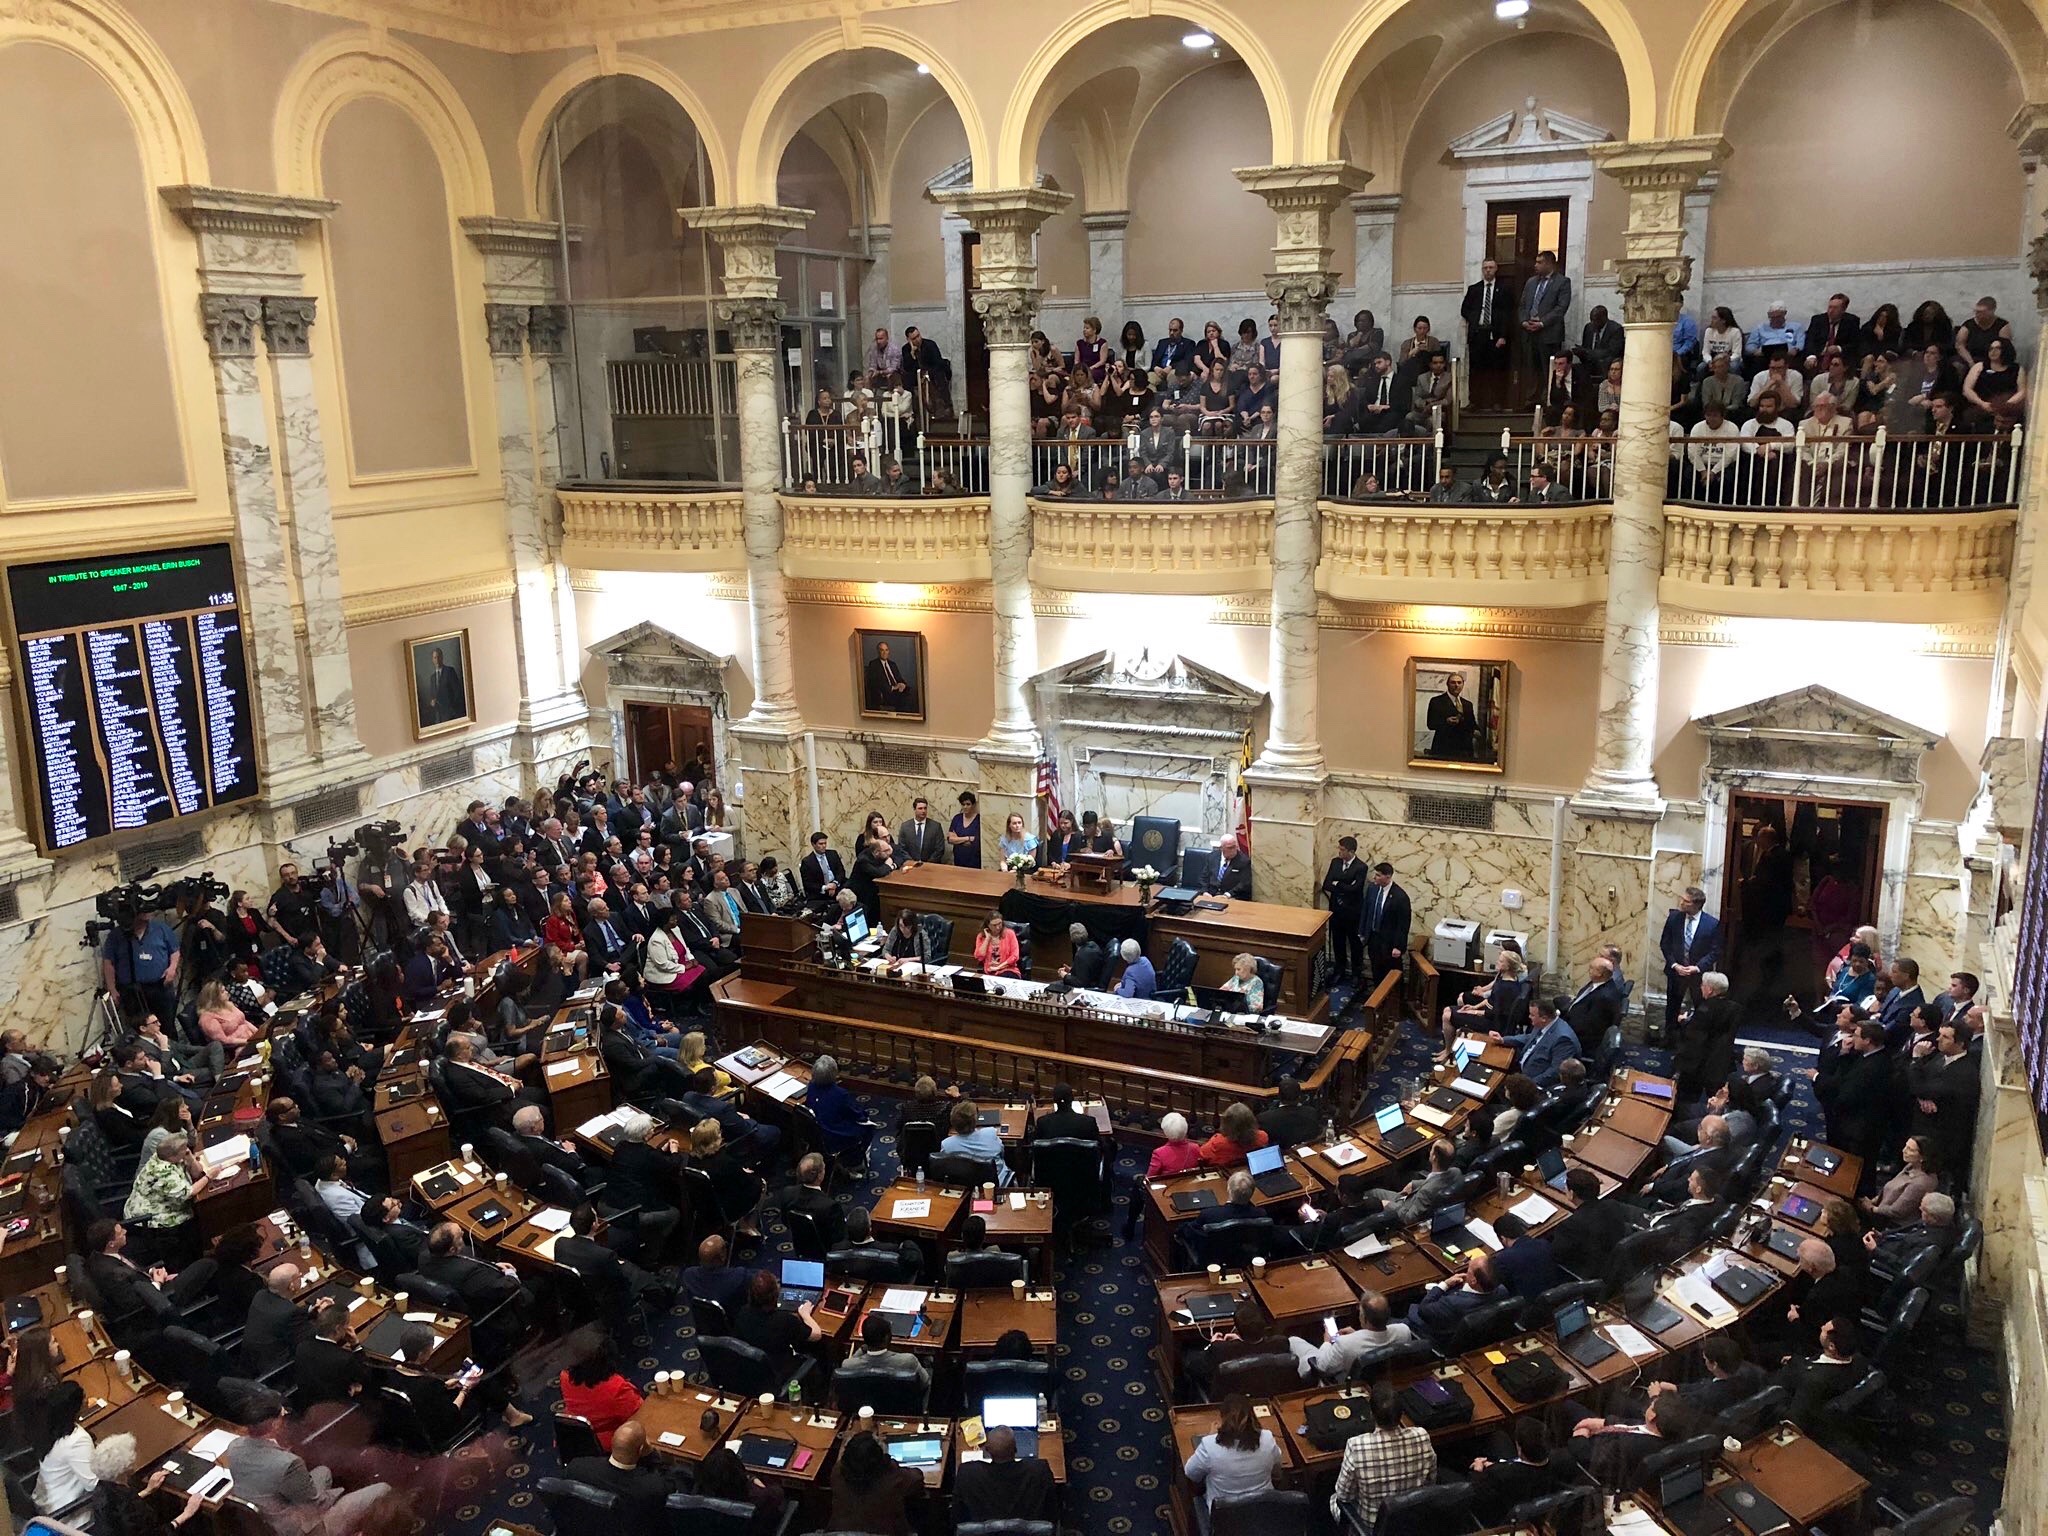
[810,180]
[1063,239]
[377,660]
[86,402]
[1574,75]
[917,265]
[1913,99]
[395,300]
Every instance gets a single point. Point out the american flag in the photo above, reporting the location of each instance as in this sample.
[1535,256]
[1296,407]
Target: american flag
[1049,790]
[1243,807]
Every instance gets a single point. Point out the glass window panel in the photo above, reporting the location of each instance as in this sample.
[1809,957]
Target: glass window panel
[1550,231]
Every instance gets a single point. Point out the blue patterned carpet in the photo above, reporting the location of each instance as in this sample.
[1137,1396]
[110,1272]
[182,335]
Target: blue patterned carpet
[1948,1438]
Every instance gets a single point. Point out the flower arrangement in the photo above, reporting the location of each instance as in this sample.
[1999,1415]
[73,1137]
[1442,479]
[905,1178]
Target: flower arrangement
[1147,877]
[1018,864]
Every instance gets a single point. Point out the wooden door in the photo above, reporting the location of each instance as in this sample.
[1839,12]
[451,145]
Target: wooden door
[1515,232]
[1830,871]
[648,743]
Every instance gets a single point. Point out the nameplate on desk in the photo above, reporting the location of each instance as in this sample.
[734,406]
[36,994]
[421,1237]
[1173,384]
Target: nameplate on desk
[911,1210]
[564,1068]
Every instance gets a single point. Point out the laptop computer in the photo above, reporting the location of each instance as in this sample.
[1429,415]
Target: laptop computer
[1784,1242]
[918,1451]
[1269,1175]
[1682,1501]
[1741,1284]
[1822,1159]
[803,1280]
[1395,1133]
[1188,1201]
[969,984]
[1019,1415]
[1578,1338]
[1663,1091]
[856,926]
[1448,1231]
[1756,1512]
[1800,1209]
[1209,1306]
[1550,1163]
[1639,1301]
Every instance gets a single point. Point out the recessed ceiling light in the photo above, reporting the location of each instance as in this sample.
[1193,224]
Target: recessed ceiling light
[1510,10]
[1198,40]
[924,69]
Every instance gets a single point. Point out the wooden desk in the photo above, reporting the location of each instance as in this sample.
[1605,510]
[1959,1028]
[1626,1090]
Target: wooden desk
[935,1334]
[468,1212]
[1162,1219]
[1299,1294]
[812,1429]
[1176,1334]
[399,1088]
[891,1430]
[533,1247]
[105,1388]
[1779,1191]
[1402,1271]
[157,1431]
[1766,1257]
[245,1196]
[579,1087]
[1847,1175]
[415,1136]
[1483,1368]
[1291,1411]
[674,1422]
[1618,1366]
[1052,1449]
[1638,1119]
[946,1205]
[78,1341]
[1797,1475]
[1371,1163]
[1029,1229]
[985,1316]
[467,1184]
[451,1338]
[1608,1151]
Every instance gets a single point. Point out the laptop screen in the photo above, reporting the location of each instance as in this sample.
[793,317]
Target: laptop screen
[1450,1216]
[1388,1117]
[1463,1054]
[1682,1483]
[921,1452]
[805,1273]
[1265,1160]
[1551,1163]
[856,926]
[1009,1413]
[1572,1319]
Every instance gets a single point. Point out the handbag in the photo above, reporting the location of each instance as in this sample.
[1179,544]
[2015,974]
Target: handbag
[1433,1404]
[1532,1378]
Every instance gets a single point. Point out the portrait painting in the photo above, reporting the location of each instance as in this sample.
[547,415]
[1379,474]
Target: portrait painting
[441,696]
[1457,714]
[889,672]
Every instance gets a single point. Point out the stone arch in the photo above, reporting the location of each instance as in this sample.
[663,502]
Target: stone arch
[533,129]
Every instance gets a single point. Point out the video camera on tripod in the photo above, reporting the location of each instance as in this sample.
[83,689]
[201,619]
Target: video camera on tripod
[373,839]
[120,907]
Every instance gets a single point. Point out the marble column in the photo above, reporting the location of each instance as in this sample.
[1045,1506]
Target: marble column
[875,287]
[1651,275]
[1699,208]
[521,263]
[1008,303]
[2019,581]
[1373,216]
[1106,232]
[302,460]
[253,288]
[19,813]
[1301,287]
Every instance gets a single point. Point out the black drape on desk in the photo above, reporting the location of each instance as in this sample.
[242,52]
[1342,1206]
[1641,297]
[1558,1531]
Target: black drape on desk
[1048,916]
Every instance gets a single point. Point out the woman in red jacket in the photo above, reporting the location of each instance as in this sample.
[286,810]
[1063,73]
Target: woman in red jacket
[995,947]
[1236,1139]
[593,1389]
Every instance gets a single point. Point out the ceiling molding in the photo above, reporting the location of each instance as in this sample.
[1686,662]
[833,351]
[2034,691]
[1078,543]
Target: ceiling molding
[532,26]
[405,602]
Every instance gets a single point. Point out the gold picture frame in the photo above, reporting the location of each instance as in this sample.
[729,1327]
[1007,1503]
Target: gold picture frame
[1457,714]
[441,703]
[889,666]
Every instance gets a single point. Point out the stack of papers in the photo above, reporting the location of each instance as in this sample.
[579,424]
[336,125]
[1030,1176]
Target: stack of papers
[1344,1153]
[1630,1341]
[1304,1031]
[902,1299]
[592,1129]
[1698,1293]
[564,1068]
[546,1246]
[234,1150]
[780,1086]
[1368,1248]
[1535,1210]
[1468,1087]
[1483,1230]
[1429,1114]
[550,1218]
[209,1446]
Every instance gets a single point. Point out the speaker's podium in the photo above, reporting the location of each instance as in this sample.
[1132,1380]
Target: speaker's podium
[1096,872]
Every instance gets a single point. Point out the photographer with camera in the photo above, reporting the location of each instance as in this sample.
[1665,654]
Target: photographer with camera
[293,911]
[341,907]
[141,962]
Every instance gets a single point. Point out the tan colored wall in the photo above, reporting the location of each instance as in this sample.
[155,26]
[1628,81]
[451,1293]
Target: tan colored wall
[1912,99]
[811,180]
[86,402]
[1574,75]
[917,266]
[959,700]
[395,293]
[1063,239]
[377,659]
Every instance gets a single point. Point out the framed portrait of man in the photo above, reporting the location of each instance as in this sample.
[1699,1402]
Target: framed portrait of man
[1457,714]
[889,673]
[441,696]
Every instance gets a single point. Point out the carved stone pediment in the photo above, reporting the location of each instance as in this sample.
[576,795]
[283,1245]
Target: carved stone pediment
[1814,732]
[648,656]
[1150,672]
[1527,132]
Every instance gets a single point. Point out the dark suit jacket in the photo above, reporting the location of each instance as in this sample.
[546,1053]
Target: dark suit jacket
[1065,1123]
[1089,966]
[1546,300]
[481,1286]
[1290,1127]
[814,879]
[326,1372]
[1898,1015]
[1584,1240]
[604,1270]
[143,1092]
[1527,1267]
[1815,1383]
[1345,888]
[1711,1396]
[1390,931]
[1591,1016]
[881,696]
[1855,1093]
[1234,878]
[1008,1490]
[1504,310]
[643,1175]
[1706,1043]
[1705,951]
[1505,1484]
[1848,336]
[601,953]
[552,1155]
[1670,1186]
[829,1215]
[302,1146]
[927,847]
[472,1088]
[127,1291]
[272,1332]
[643,1492]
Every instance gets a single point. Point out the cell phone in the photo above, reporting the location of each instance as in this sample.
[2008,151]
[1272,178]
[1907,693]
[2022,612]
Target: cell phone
[1330,1325]
[800,1460]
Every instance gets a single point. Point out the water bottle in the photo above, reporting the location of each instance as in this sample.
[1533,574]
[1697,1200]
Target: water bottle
[1329,1130]
[920,1180]
[795,1390]
[255,1159]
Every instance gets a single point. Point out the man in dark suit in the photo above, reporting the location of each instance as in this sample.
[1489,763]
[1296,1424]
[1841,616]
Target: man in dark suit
[1089,964]
[1585,1240]
[1834,326]
[1003,1487]
[1904,1002]
[1453,727]
[810,1196]
[1233,878]
[441,699]
[1600,344]
[638,1075]
[920,840]
[713,1278]
[1817,1380]
[1854,1087]
[890,689]
[1729,1378]
[1936,1229]
[746,1138]
[1488,308]
[138,1300]
[1712,1155]
[824,873]
[1546,298]
[1704,1048]
[472,1086]
[1384,921]
[276,1324]
[1292,1120]
[642,1490]
[1691,946]
[1685,1225]
[1437,1315]
[605,940]
[1064,1122]
[1530,1473]
[645,1177]
[926,373]
[144,1088]
[1526,1265]
[1597,1005]
[587,1248]
[1946,1085]
[482,1287]
[1613,1450]
[530,1128]
[1343,888]
[475,827]
[330,1367]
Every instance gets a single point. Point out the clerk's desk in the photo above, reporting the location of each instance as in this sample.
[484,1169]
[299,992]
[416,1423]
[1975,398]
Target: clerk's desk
[1292,937]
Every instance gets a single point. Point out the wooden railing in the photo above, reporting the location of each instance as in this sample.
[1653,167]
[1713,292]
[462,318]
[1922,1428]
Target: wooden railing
[1923,567]
[659,529]
[929,540]
[1555,556]
[1191,547]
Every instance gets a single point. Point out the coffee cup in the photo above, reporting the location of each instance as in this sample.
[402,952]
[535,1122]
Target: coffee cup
[1215,1274]
[1016,1290]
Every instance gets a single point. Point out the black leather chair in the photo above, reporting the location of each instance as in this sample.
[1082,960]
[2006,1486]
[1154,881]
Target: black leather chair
[1916,1271]
[1608,1057]
[1276,1512]
[1485,1324]
[510,1156]
[573,1438]
[983,1269]
[916,1142]
[1432,1511]
[1259,1376]
[1234,1242]
[875,1262]
[1700,1448]
[803,1231]
[399,1424]
[1944,1519]
[736,1366]
[959,1168]
[1179,968]
[855,1386]
[691,1514]
[1898,1325]
[1073,1169]
[444,1297]
[709,1317]
[935,938]
[1846,1421]
[984,1379]
[1375,1363]
[1634,1254]
[1023,933]
[577,1509]
[1271,978]
[1564,1513]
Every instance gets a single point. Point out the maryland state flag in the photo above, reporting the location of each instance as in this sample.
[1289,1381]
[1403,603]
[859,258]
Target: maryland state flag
[1243,807]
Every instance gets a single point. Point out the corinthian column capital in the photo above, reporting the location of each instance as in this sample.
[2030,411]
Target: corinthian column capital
[1652,290]
[1657,175]
[1008,223]
[756,323]
[749,237]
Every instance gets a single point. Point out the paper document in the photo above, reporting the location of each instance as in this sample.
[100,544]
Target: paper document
[234,1150]
[1631,1521]
[1631,1341]
[591,1128]
[780,1087]
[550,1218]
[1368,1248]
[422,1317]
[1470,1089]
[1483,1230]
[670,1437]
[564,1068]
[214,1483]
[902,1299]
[546,1246]
[1697,1292]
[1016,1202]
[911,1210]
[208,1447]
[1534,1210]
[1305,1031]
[1344,1153]
[1429,1114]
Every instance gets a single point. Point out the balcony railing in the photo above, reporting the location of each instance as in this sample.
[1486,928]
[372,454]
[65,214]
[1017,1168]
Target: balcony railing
[1547,556]
[823,456]
[1923,566]
[654,528]
[925,540]
[1907,471]
[1202,547]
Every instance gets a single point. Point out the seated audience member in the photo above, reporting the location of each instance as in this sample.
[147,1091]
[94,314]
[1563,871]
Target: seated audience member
[596,1391]
[1244,980]
[811,1198]
[1612,1450]
[1250,1333]
[968,1137]
[590,1248]
[1436,1315]
[64,1475]
[1728,1378]
[642,1490]
[905,1257]
[1139,979]
[1291,1121]
[1341,1349]
[1064,1122]
[1523,1468]
[871,1491]
[1413,1201]
[722,1475]
[1584,1241]
[878,1352]
[996,951]
[445,1405]
[714,1278]
[1819,1375]
[1936,1229]
[1176,1153]
[738,1191]
[1237,1137]
[1818,1290]
[846,1130]
[1389,1458]
[1525,1265]
[295,1499]
[1003,1485]
[119,1510]
[1484,1009]
[164,1197]
[763,1324]
[1236,1461]
[1542,1049]
[1714,1154]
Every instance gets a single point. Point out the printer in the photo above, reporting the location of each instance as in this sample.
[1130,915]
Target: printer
[1454,943]
[1491,944]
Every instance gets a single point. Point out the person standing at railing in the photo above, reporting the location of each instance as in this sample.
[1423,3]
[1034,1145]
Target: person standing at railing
[1545,302]
[926,375]
[1158,447]
[1714,452]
